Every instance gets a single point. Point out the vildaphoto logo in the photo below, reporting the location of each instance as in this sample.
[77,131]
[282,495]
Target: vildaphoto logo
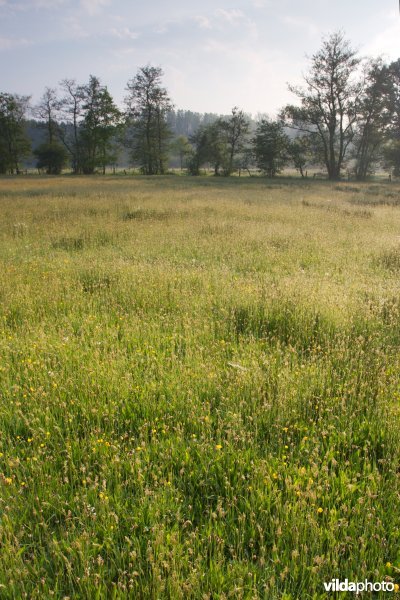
[335,585]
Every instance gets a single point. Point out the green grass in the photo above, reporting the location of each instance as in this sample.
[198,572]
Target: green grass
[199,383]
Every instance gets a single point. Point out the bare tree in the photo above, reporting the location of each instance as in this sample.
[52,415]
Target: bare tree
[71,106]
[48,111]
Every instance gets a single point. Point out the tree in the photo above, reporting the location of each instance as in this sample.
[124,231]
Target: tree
[391,150]
[148,104]
[298,150]
[391,155]
[52,157]
[14,143]
[90,123]
[199,152]
[220,143]
[71,105]
[270,147]
[47,111]
[393,98]
[99,124]
[235,130]
[329,102]
[181,146]
[373,121]
[209,146]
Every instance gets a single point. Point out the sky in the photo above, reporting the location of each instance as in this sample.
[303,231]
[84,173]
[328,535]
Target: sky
[215,54]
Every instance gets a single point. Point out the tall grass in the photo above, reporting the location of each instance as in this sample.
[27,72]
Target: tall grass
[199,387]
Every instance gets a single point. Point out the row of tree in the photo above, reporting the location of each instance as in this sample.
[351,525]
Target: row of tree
[347,116]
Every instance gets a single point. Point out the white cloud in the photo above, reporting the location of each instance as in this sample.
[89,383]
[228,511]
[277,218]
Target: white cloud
[213,19]
[124,33]
[6,43]
[231,15]
[203,22]
[301,23]
[74,28]
[48,3]
[25,5]
[386,42]
[94,7]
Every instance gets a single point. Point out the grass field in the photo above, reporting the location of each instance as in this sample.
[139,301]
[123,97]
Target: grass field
[199,386]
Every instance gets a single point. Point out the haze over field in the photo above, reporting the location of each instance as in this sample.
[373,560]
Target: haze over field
[205,49]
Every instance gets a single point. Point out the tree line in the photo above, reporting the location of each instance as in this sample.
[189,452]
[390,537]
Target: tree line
[347,116]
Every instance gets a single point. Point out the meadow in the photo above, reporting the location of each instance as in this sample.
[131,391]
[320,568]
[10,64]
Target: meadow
[199,387]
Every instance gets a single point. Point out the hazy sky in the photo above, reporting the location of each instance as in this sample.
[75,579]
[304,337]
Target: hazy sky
[214,53]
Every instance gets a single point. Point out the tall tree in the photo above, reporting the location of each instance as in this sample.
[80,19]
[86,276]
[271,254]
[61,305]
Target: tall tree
[209,146]
[235,129]
[148,104]
[71,106]
[182,148]
[298,150]
[329,102]
[90,121]
[270,147]
[98,127]
[14,143]
[51,154]
[47,111]
[394,97]
[392,148]
[373,121]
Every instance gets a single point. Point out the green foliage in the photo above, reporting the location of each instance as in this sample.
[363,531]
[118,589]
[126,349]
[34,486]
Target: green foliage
[270,147]
[234,130]
[220,143]
[182,148]
[391,156]
[51,157]
[14,143]
[373,122]
[393,97]
[299,151]
[90,125]
[148,135]
[329,102]
[98,128]
[209,147]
